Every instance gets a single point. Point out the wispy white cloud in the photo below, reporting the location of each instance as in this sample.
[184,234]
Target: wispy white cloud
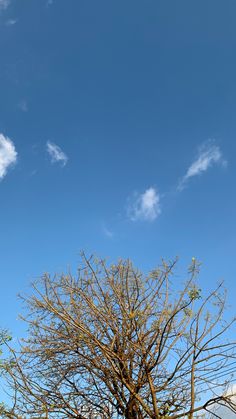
[107,232]
[11,22]
[4,4]
[23,106]
[145,206]
[8,155]
[56,154]
[209,155]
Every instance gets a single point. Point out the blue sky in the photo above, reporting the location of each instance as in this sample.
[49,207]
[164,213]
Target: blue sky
[117,136]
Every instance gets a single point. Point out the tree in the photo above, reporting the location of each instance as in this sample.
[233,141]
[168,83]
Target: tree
[113,342]
[4,339]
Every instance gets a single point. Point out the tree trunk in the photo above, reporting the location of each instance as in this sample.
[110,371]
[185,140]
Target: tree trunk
[131,411]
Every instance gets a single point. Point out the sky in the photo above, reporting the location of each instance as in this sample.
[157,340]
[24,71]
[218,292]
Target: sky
[117,137]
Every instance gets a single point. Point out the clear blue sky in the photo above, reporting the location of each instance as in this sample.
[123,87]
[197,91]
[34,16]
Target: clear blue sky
[117,136]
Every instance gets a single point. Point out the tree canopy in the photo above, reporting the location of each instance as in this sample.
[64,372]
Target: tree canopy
[113,342]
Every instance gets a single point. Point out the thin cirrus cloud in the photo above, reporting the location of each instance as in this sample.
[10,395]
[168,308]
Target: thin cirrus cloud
[4,4]
[107,232]
[11,22]
[8,155]
[23,106]
[145,206]
[56,154]
[209,155]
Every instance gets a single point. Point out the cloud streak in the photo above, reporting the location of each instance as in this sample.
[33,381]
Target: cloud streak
[145,207]
[23,106]
[107,232]
[209,155]
[4,4]
[56,154]
[11,22]
[8,155]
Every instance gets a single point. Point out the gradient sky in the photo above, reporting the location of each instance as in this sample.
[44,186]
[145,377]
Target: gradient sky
[117,136]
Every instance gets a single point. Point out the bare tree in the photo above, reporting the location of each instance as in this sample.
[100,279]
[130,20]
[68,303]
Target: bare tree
[112,342]
[4,339]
